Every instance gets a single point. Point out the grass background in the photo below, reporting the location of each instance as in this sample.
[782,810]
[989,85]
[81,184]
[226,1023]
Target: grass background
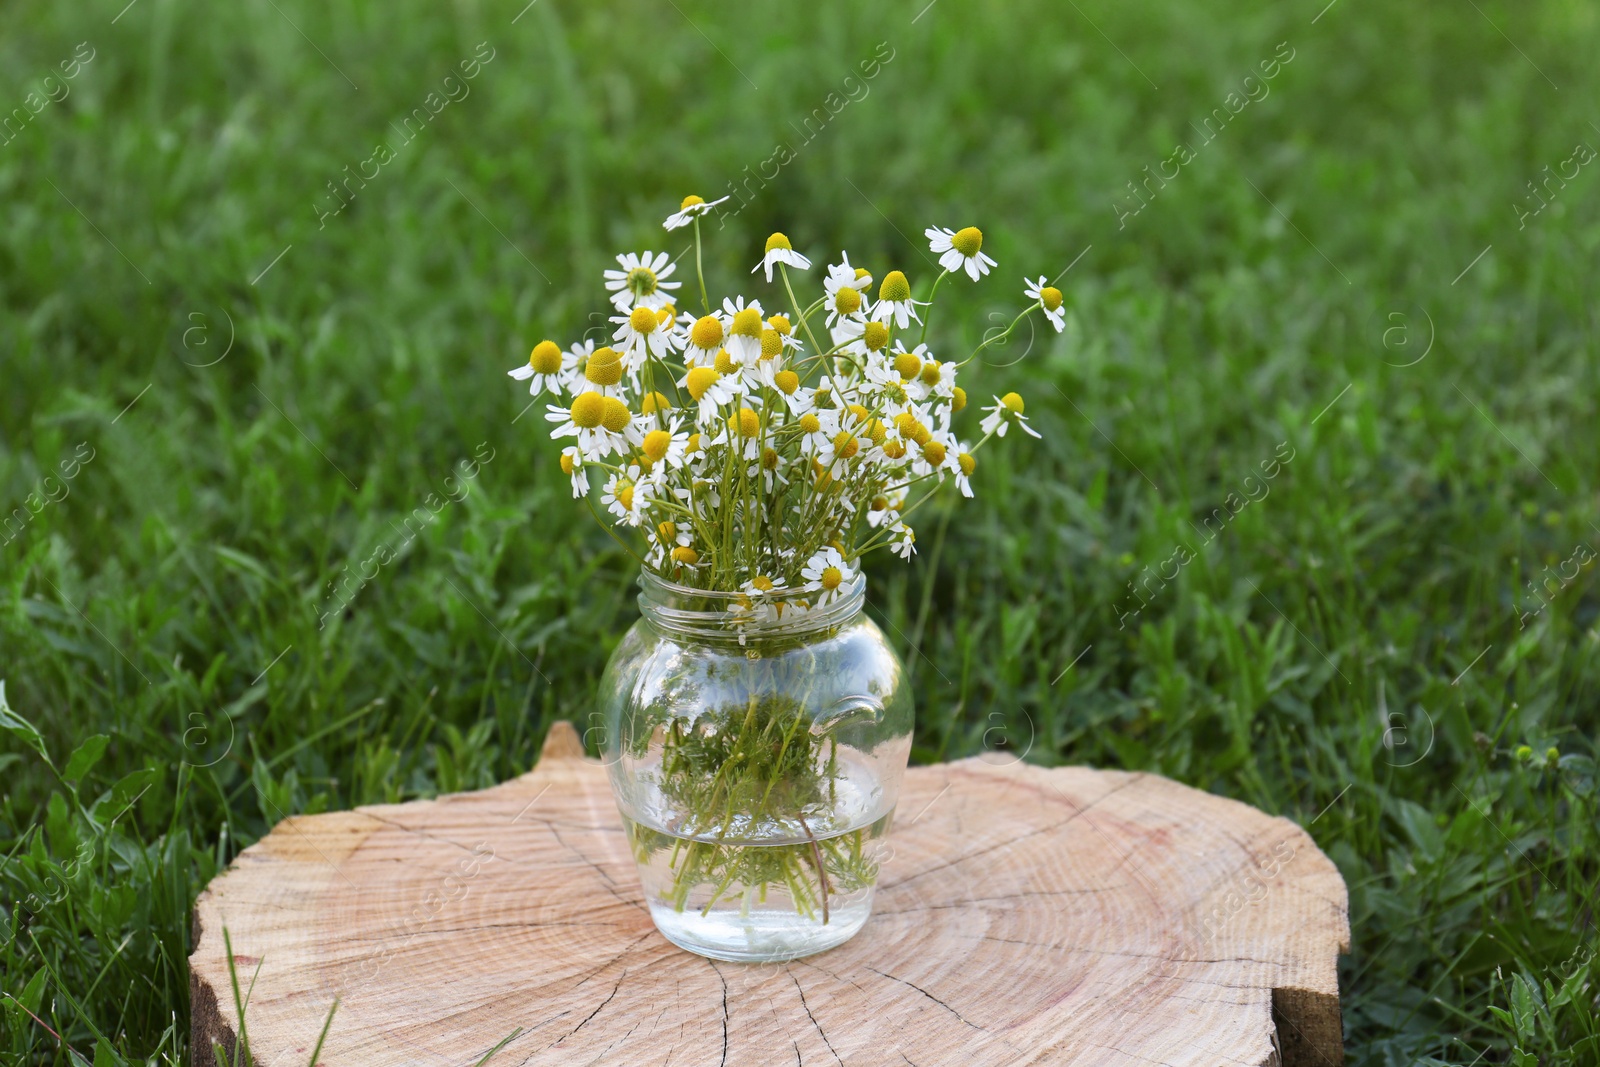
[1352,650]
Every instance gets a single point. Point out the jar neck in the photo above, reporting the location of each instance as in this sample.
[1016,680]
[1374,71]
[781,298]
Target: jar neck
[712,617]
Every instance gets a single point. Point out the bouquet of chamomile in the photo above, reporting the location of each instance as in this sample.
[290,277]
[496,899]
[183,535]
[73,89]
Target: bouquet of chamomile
[764,446]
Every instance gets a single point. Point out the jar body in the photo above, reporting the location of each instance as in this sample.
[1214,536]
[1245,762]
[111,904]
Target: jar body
[756,764]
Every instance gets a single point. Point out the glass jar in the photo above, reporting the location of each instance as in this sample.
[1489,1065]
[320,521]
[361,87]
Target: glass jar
[755,747]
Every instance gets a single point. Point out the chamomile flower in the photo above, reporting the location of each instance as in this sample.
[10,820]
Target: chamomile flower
[859,337]
[742,432]
[642,281]
[965,465]
[547,368]
[708,388]
[625,495]
[685,557]
[770,361]
[894,301]
[641,334]
[602,424]
[706,337]
[602,371]
[780,251]
[883,511]
[762,586]
[666,447]
[933,379]
[933,455]
[667,535]
[843,274]
[1006,410]
[691,208]
[843,303]
[770,469]
[572,467]
[905,542]
[959,250]
[744,327]
[580,353]
[813,435]
[785,329]
[786,383]
[827,571]
[1048,297]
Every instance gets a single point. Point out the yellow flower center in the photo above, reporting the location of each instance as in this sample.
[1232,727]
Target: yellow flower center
[959,399]
[667,313]
[787,381]
[894,449]
[910,428]
[566,463]
[862,272]
[876,431]
[651,403]
[723,362]
[624,495]
[1050,297]
[824,476]
[780,323]
[907,365]
[706,333]
[968,463]
[859,412]
[778,240]
[769,458]
[845,445]
[771,343]
[690,201]
[693,445]
[810,423]
[643,320]
[747,423]
[930,372]
[876,335]
[699,380]
[604,367]
[641,281]
[933,452]
[615,415]
[846,301]
[895,288]
[1013,401]
[546,358]
[747,323]
[655,444]
[587,410]
[831,577]
[879,502]
[685,555]
[667,530]
[968,241]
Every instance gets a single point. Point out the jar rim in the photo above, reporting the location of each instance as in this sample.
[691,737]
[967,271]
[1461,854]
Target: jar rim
[737,615]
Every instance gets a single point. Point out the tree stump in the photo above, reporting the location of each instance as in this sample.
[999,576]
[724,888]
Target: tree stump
[1024,916]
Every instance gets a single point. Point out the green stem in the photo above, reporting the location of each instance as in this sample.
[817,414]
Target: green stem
[805,323]
[929,315]
[699,269]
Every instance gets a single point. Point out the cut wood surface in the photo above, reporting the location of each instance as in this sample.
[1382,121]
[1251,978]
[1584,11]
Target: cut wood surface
[1024,916]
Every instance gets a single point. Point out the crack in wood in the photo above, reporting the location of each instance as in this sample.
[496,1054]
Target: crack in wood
[813,1018]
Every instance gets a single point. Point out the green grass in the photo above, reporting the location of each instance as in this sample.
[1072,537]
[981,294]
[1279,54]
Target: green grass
[1348,651]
